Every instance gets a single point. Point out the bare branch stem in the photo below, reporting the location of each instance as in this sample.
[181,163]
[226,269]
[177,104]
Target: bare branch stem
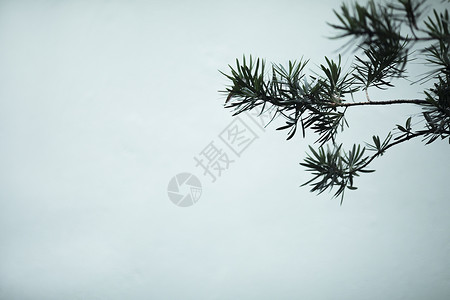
[384,102]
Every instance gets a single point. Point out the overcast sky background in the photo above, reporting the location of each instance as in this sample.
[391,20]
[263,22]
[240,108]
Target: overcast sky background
[103,102]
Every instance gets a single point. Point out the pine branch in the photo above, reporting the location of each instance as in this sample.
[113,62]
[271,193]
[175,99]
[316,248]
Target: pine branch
[407,138]
[318,102]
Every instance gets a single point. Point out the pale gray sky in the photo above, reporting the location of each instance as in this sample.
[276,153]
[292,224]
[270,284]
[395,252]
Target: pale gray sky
[103,102]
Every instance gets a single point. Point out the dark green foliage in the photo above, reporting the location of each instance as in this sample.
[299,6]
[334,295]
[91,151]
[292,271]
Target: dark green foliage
[379,147]
[332,168]
[389,35]
[383,62]
[437,113]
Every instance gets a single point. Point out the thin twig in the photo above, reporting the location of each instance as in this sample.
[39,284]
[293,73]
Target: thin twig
[367,96]
[391,145]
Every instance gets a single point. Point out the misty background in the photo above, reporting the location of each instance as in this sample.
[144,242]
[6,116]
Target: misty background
[103,102]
